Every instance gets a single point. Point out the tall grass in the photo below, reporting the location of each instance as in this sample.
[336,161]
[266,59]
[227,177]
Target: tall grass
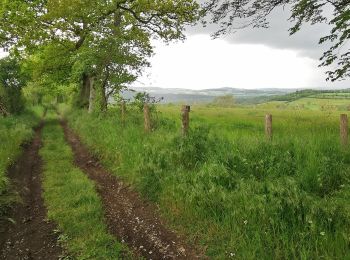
[228,188]
[72,201]
[14,132]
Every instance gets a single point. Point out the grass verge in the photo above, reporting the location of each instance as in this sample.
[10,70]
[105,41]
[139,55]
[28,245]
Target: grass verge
[72,201]
[14,132]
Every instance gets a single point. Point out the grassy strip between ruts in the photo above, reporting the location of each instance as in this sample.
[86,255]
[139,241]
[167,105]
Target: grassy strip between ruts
[14,131]
[72,201]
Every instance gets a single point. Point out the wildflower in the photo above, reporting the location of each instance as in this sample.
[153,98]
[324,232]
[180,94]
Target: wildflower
[245,222]
[322,233]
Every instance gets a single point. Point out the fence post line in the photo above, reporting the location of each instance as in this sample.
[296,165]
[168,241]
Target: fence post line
[268,126]
[185,119]
[344,129]
[147,118]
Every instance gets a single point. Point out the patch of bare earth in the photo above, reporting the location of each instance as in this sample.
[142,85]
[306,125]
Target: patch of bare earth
[131,219]
[30,235]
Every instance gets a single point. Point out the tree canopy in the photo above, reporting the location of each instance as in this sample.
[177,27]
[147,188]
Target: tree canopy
[101,45]
[238,14]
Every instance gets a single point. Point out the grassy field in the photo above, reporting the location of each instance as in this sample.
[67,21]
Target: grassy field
[14,131]
[72,201]
[327,104]
[229,189]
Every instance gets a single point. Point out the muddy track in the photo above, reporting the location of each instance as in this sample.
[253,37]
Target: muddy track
[129,218]
[31,236]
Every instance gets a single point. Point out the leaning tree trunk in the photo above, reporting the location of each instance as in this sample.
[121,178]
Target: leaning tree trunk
[92,96]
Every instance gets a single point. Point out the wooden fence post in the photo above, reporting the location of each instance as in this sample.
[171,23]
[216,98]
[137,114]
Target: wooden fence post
[268,126]
[123,111]
[147,118]
[185,119]
[344,129]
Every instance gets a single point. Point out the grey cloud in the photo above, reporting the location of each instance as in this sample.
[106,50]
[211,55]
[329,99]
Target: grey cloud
[277,35]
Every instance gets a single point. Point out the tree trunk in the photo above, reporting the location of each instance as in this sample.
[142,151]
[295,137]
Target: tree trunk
[92,95]
[84,95]
[3,110]
[104,101]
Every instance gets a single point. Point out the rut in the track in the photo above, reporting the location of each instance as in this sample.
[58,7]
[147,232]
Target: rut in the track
[31,236]
[129,218]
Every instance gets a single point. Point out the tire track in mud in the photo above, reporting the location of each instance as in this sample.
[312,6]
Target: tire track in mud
[129,218]
[31,235]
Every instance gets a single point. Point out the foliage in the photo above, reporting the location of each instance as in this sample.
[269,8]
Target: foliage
[142,98]
[237,14]
[107,43]
[12,80]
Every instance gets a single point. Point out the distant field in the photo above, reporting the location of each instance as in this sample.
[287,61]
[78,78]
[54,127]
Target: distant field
[289,119]
[310,103]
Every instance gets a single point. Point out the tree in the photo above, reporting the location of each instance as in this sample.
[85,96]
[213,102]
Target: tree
[224,101]
[11,82]
[142,98]
[237,14]
[84,27]
[116,62]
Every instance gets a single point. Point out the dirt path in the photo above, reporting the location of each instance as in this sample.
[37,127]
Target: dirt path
[32,236]
[129,218]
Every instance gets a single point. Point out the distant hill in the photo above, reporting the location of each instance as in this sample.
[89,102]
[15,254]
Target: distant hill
[208,95]
[242,96]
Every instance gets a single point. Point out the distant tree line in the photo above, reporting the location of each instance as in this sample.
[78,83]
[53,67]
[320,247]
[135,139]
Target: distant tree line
[309,93]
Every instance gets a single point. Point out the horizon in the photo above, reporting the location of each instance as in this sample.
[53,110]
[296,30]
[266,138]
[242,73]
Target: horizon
[239,88]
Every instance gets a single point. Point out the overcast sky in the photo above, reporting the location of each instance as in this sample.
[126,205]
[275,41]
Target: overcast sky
[249,58]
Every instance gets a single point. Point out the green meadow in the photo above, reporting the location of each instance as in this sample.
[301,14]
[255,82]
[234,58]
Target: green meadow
[326,104]
[225,186]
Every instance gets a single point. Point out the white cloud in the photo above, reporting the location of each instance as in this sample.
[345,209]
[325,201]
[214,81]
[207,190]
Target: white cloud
[3,54]
[201,63]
